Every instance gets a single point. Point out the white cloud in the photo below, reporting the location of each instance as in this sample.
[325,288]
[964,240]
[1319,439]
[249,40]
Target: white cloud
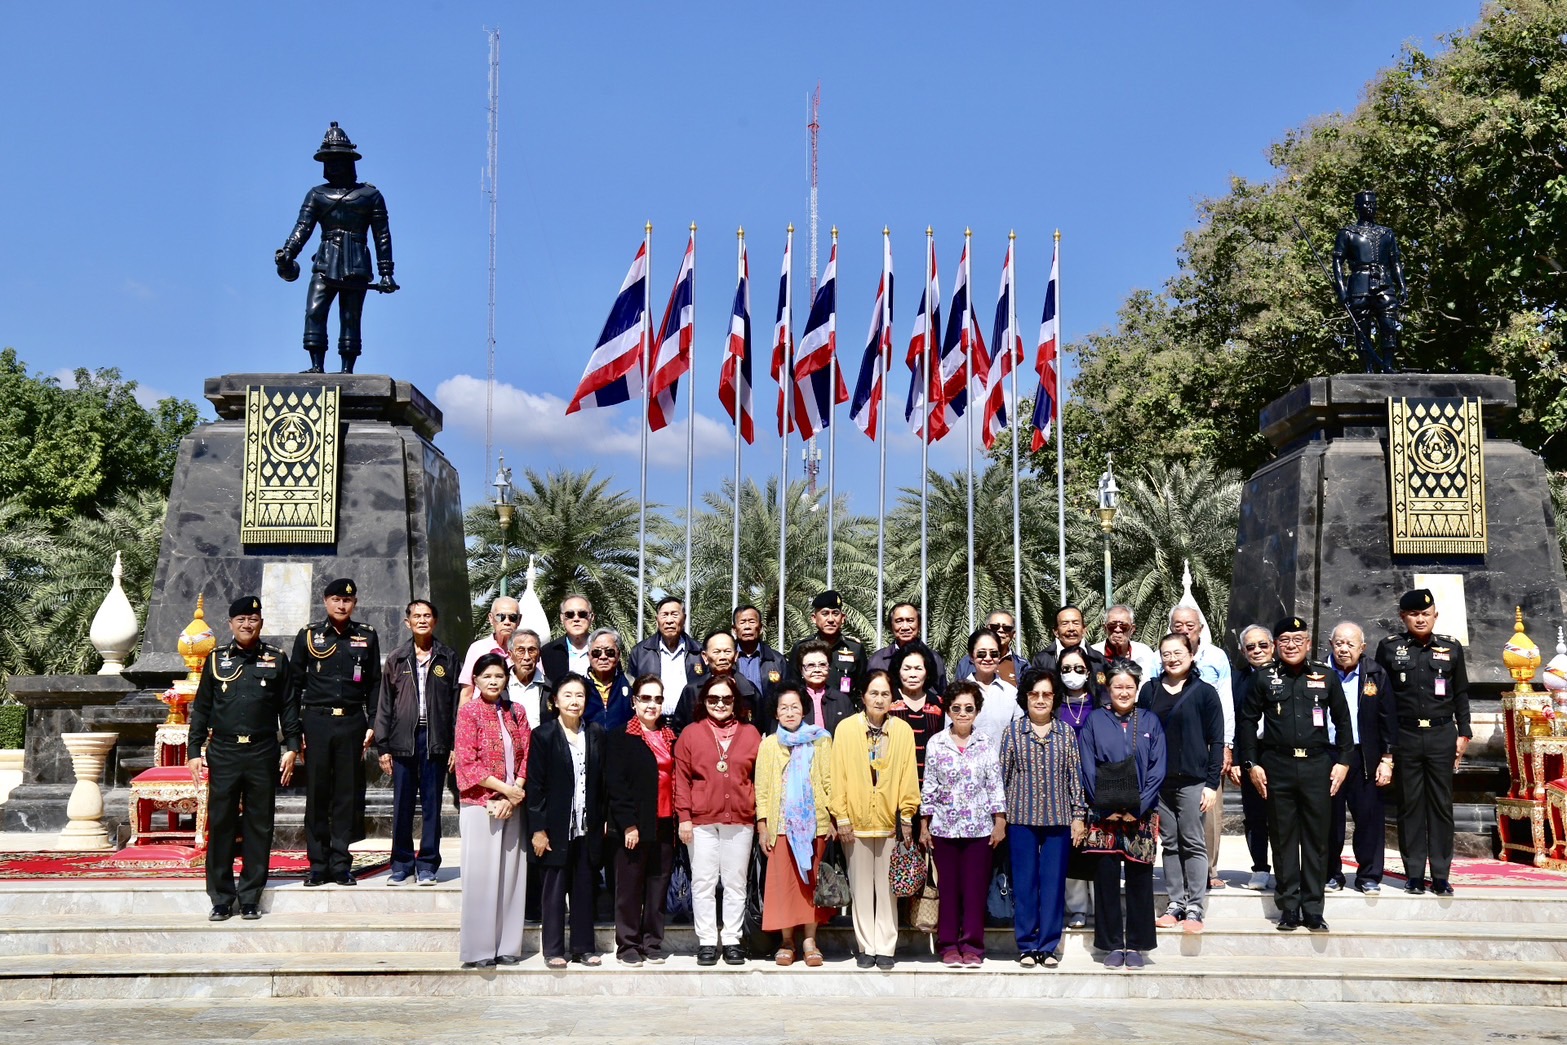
[533,423]
[146,395]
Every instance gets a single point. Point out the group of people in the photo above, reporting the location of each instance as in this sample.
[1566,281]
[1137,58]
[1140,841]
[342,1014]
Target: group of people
[1069,772]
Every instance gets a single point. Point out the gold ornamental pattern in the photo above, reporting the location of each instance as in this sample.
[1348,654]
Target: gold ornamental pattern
[1436,457]
[291,461]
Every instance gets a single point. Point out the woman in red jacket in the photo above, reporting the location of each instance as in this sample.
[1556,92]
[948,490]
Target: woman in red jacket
[715,802]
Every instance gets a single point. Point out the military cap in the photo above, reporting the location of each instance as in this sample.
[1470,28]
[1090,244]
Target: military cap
[827,600]
[1415,601]
[244,606]
[341,586]
[1289,624]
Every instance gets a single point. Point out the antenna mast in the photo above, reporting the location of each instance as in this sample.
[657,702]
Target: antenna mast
[813,456]
[489,189]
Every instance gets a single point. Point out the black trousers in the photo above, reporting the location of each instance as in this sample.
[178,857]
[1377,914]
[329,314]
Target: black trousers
[642,891]
[1424,779]
[334,789]
[1368,803]
[417,779]
[569,882]
[1298,811]
[240,775]
[350,308]
[1137,933]
[1255,823]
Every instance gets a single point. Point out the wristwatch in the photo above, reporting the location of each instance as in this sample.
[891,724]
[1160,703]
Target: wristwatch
[1248,766]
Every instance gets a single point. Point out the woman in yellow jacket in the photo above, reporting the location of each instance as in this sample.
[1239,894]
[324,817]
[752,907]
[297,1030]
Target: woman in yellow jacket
[793,772]
[875,793]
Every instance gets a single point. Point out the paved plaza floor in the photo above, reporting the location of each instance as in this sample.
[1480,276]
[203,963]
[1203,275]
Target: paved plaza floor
[766,1021]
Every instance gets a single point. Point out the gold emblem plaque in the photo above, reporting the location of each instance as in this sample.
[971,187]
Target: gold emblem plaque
[291,447]
[1436,460]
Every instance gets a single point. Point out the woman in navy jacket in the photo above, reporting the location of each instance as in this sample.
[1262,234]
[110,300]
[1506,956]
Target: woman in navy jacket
[1123,835]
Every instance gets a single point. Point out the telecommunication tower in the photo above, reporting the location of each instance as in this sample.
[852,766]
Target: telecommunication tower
[487,186]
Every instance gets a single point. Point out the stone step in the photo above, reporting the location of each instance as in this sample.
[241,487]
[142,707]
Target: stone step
[141,934]
[426,974]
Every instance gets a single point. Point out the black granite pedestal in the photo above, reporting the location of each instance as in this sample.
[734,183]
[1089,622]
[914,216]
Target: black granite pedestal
[399,524]
[1315,538]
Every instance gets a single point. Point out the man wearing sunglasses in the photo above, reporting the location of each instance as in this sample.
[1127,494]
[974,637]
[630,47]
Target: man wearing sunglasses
[1120,626]
[569,652]
[504,615]
[1257,645]
[1012,666]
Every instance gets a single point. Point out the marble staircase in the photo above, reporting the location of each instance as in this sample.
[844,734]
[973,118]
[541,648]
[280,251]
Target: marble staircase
[129,938]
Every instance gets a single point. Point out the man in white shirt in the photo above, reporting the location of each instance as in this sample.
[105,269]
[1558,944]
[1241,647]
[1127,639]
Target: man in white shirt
[1120,626]
[669,652]
[504,615]
[526,686]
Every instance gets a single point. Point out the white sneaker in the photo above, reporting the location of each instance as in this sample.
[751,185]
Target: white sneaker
[1258,880]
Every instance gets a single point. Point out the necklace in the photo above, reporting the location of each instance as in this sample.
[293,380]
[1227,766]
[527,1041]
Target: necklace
[723,747]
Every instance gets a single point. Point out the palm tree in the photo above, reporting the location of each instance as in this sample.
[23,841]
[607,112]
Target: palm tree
[24,549]
[584,538]
[1174,513]
[854,566]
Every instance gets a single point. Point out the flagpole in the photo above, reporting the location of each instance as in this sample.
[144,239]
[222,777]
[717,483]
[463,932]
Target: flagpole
[1060,434]
[786,378]
[690,427]
[647,345]
[881,428]
[968,408]
[832,429]
[930,311]
[1017,431]
[734,583]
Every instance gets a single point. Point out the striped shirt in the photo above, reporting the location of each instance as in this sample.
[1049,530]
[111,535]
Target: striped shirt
[1043,778]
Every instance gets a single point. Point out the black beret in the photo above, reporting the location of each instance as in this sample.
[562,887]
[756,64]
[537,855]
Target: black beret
[1415,601]
[341,586]
[244,606]
[827,600]
[1289,624]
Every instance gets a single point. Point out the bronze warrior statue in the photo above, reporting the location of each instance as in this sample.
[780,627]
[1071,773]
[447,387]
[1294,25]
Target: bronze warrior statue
[1369,276]
[345,208]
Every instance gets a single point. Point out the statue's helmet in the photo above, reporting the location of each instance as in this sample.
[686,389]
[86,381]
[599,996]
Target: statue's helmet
[335,143]
[1365,199]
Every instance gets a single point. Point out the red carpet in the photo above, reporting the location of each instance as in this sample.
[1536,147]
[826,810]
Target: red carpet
[1472,871]
[286,863]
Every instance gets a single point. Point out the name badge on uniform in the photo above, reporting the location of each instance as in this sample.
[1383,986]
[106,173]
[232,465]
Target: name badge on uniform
[1319,717]
[844,684]
[1441,686]
[359,642]
[1441,656]
[1316,685]
[358,672]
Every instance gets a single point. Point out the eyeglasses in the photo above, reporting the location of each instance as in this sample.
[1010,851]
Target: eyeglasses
[814,666]
[987,654]
[1292,640]
[525,651]
[610,652]
[576,614]
[1118,625]
[961,709]
[1173,654]
[999,628]
[509,618]
[1252,647]
[720,700]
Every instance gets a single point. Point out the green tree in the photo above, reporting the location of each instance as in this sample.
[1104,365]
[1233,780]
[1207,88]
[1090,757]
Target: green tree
[24,553]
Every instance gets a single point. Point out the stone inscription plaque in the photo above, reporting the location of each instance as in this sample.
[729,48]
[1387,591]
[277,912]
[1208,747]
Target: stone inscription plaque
[291,460]
[1437,472]
[285,596]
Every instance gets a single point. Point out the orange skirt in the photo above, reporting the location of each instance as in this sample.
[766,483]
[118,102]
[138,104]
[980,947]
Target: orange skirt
[787,900]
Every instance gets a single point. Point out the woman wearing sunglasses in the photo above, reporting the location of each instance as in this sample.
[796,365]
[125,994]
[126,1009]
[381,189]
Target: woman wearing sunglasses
[984,650]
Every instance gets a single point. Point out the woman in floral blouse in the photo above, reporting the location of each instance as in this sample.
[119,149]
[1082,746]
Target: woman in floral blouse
[964,811]
[491,749]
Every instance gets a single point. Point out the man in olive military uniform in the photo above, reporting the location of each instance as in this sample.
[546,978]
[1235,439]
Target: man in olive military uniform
[1295,767]
[243,701]
[846,657]
[1431,689]
[337,675]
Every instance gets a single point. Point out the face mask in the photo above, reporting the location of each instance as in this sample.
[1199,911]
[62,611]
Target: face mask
[1074,678]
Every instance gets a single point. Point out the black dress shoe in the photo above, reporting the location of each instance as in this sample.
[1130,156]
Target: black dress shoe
[1441,887]
[1289,921]
[1315,923]
[1415,886]
[312,880]
[865,961]
[707,955]
[250,912]
[733,955]
[346,878]
[508,959]
[486,963]
[221,912]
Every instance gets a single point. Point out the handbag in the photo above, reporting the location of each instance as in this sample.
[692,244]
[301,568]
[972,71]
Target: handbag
[906,871]
[998,903]
[678,901]
[1115,783]
[1138,842]
[926,907]
[832,879]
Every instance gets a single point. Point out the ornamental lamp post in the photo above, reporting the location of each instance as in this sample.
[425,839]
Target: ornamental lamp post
[503,512]
[1109,498]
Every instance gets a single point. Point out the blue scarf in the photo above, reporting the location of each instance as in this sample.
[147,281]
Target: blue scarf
[799,797]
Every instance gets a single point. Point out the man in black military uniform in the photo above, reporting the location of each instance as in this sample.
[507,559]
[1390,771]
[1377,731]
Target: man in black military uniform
[1431,689]
[1295,767]
[243,701]
[846,659]
[345,208]
[337,676]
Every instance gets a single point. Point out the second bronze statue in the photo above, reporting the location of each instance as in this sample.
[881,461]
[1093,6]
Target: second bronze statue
[347,210]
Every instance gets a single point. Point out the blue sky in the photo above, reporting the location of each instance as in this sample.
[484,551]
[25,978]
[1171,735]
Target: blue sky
[157,154]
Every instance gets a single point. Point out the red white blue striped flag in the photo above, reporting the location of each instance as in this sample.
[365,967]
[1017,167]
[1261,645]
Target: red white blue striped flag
[675,335]
[614,371]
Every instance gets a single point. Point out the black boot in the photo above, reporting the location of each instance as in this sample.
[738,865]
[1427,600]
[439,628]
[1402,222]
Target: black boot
[317,360]
[348,360]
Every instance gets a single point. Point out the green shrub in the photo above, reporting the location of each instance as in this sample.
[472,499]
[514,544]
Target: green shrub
[13,725]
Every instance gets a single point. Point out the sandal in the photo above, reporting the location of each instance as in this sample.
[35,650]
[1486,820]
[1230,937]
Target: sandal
[784,957]
[1050,961]
[813,955]
[591,960]
[555,963]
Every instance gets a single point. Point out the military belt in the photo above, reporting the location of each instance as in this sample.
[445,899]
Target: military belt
[243,738]
[1298,752]
[1434,722]
[335,712]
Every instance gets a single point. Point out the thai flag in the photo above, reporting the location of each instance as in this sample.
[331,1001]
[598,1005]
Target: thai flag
[614,371]
[818,384]
[924,404]
[675,335]
[1045,401]
[783,335]
[1008,345]
[964,361]
[737,355]
[866,408]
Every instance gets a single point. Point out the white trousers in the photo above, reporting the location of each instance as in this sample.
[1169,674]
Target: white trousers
[875,910]
[494,885]
[719,853]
